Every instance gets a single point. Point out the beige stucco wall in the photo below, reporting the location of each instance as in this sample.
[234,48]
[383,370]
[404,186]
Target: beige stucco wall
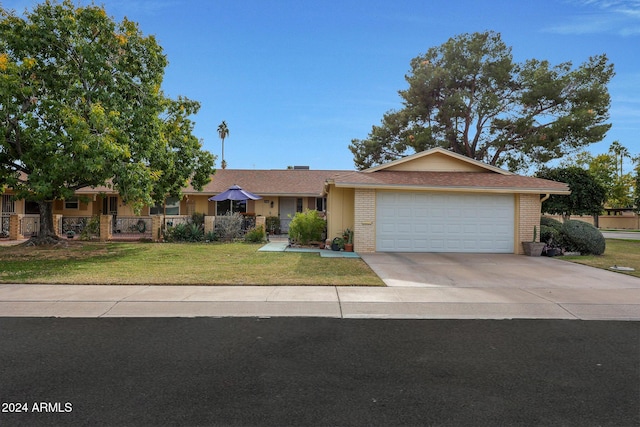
[340,210]
[263,207]
[436,162]
[198,203]
[628,221]
[84,209]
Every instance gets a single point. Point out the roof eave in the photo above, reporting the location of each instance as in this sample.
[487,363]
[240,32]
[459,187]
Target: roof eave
[527,190]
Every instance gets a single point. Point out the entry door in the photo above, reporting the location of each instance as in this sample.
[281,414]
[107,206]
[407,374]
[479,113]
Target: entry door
[287,211]
[110,207]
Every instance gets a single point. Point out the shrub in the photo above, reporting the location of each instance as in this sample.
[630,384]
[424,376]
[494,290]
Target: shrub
[191,231]
[579,236]
[195,233]
[550,232]
[550,222]
[229,226]
[549,235]
[198,219]
[306,227]
[255,235]
[210,236]
[92,228]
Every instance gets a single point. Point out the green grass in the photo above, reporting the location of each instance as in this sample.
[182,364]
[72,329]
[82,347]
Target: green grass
[178,264]
[624,253]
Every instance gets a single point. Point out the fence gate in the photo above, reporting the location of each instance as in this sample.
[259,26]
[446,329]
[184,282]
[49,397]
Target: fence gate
[8,209]
[30,225]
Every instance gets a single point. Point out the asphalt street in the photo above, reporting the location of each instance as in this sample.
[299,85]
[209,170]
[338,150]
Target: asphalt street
[313,371]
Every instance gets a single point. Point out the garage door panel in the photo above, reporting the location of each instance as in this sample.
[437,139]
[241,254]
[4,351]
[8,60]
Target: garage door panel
[440,222]
[421,228]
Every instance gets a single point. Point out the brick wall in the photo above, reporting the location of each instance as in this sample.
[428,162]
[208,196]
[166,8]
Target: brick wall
[365,220]
[529,216]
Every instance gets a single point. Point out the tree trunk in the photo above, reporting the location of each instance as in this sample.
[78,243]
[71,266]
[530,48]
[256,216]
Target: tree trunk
[47,232]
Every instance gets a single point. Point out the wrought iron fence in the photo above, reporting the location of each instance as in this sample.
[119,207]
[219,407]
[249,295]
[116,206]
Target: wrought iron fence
[83,226]
[173,220]
[248,223]
[30,225]
[133,227]
[72,225]
[4,224]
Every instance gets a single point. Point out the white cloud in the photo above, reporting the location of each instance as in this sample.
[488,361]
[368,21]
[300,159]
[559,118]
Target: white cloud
[621,17]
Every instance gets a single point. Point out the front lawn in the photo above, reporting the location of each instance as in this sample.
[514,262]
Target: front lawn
[623,253]
[177,264]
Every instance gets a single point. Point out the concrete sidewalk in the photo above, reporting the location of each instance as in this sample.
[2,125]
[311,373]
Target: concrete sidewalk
[318,301]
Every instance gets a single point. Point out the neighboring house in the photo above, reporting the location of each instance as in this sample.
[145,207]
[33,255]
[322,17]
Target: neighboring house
[283,192]
[437,201]
[433,201]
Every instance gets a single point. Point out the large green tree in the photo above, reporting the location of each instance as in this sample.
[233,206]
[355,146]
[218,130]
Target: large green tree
[469,96]
[608,170]
[81,106]
[587,194]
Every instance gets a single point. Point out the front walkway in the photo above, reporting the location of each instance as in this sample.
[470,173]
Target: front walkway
[283,246]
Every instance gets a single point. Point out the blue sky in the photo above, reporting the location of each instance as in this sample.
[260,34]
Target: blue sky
[296,80]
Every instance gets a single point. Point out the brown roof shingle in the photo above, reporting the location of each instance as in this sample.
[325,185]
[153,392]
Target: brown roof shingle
[452,180]
[269,182]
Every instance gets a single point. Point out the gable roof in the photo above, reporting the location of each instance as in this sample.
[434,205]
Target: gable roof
[438,169]
[283,182]
[468,163]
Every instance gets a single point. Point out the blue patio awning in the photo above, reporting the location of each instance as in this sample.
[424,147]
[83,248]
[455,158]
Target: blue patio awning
[235,193]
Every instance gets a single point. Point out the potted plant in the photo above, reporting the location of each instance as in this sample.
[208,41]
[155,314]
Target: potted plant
[533,248]
[337,244]
[348,246]
[70,234]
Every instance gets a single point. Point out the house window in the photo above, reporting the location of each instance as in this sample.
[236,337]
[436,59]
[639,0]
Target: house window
[171,207]
[321,204]
[72,203]
[231,206]
[299,205]
[31,207]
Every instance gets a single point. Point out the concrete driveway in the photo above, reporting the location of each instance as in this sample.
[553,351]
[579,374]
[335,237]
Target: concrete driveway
[491,271]
[494,286]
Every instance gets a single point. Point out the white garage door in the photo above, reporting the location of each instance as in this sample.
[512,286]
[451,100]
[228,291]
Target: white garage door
[444,222]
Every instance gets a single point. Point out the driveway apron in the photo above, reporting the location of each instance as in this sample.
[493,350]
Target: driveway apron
[491,270]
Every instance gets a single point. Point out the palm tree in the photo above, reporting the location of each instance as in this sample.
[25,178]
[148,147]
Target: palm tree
[223,132]
[620,152]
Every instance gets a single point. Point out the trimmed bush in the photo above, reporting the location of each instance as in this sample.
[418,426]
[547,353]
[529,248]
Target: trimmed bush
[548,235]
[255,235]
[579,236]
[306,227]
[550,232]
[550,222]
